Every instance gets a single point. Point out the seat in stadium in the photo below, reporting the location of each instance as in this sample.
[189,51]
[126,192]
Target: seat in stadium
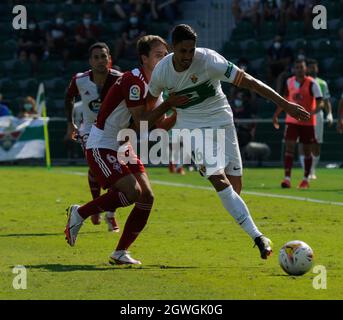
[232,49]
[244,30]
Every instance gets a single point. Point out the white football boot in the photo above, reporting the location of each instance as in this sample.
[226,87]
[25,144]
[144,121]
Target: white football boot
[75,221]
[122,257]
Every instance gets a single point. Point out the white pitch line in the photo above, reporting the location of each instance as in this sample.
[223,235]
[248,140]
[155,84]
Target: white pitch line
[253,193]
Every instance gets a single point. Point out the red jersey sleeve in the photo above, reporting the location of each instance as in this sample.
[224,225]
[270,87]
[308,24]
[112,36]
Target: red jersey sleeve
[72,90]
[133,89]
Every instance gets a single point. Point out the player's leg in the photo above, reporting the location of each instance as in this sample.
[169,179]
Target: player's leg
[301,155]
[232,202]
[319,133]
[291,136]
[316,148]
[135,222]
[109,215]
[123,190]
[235,205]
[307,137]
[95,189]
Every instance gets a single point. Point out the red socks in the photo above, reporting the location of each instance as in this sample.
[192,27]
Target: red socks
[107,202]
[135,223]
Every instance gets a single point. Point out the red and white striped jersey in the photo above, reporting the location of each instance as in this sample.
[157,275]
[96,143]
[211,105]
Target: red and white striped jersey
[129,91]
[82,85]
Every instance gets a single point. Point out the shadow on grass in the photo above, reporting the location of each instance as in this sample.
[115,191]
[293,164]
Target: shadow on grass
[19,235]
[67,268]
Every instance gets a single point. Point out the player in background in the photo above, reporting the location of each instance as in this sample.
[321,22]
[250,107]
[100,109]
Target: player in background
[340,115]
[197,72]
[127,182]
[92,86]
[303,90]
[312,71]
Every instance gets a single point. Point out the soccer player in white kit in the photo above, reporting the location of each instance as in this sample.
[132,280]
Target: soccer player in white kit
[92,86]
[197,72]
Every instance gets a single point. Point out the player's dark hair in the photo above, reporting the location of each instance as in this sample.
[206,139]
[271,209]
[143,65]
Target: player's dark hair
[311,62]
[183,32]
[145,44]
[300,61]
[98,45]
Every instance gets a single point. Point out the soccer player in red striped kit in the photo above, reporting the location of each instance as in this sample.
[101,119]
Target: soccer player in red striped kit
[92,86]
[127,183]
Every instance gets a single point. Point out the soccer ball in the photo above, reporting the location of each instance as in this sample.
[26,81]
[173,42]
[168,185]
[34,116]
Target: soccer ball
[296,257]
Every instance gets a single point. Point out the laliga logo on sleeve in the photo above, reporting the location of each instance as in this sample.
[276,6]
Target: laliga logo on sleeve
[135,93]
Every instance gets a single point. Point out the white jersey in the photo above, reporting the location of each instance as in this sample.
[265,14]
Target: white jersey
[82,85]
[208,105]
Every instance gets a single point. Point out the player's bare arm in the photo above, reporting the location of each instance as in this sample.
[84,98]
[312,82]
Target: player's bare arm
[319,105]
[140,113]
[328,110]
[69,107]
[294,110]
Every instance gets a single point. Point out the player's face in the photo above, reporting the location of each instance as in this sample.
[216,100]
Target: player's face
[312,70]
[300,69]
[183,54]
[157,52]
[99,60]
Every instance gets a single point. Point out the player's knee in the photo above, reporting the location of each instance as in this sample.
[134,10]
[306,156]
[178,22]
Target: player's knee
[133,193]
[147,196]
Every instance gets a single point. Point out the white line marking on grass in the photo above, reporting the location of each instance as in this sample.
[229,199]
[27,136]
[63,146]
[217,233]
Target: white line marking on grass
[253,193]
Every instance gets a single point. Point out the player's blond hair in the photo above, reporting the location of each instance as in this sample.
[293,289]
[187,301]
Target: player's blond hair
[145,44]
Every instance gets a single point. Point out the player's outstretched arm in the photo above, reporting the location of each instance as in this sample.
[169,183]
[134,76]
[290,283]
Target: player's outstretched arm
[293,109]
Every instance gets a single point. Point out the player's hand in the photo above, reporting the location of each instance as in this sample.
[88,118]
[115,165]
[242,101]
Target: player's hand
[72,131]
[296,111]
[177,101]
[329,119]
[340,125]
[276,121]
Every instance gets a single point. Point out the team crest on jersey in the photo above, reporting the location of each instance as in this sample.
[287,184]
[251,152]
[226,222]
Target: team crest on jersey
[95,105]
[135,93]
[194,78]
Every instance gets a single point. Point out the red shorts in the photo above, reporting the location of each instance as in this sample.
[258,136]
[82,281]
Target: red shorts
[105,166]
[305,134]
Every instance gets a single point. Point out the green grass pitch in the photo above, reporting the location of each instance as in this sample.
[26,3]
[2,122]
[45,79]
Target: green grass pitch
[191,248]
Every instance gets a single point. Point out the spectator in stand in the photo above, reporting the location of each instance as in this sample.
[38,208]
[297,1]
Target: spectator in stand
[340,40]
[123,8]
[32,41]
[85,34]
[247,10]
[298,10]
[271,10]
[243,64]
[4,109]
[126,44]
[57,37]
[340,116]
[164,10]
[279,59]
[244,108]
[23,64]
[28,108]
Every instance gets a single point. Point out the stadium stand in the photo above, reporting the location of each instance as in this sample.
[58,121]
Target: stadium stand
[213,20]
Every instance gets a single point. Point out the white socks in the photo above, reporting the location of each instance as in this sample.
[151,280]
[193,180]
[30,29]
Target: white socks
[235,205]
[315,161]
[302,161]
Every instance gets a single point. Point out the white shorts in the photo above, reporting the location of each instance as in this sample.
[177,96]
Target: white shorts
[215,151]
[319,127]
